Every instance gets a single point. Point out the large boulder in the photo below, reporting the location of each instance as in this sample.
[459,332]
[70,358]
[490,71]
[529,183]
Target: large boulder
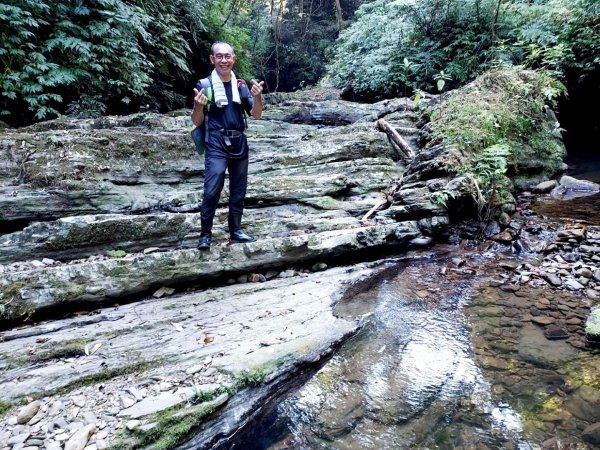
[592,326]
[570,187]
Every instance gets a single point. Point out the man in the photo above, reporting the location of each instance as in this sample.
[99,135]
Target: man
[226,144]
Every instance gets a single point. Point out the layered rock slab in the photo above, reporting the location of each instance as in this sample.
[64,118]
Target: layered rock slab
[147,162]
[134,184]
[29,292]
[276,327]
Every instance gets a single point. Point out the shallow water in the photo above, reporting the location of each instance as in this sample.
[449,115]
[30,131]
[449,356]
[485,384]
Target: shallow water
[584,209]
[447,360]
[444,361]
[408,380]
[584,166]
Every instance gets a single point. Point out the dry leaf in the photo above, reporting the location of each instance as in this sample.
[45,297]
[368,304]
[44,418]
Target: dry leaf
[95,348]
[208,339]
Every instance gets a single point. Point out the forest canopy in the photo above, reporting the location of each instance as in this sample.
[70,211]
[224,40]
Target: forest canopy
[395,45]
[94,57]
[101,56]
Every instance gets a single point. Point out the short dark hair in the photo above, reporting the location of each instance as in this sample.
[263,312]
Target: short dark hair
[212,47]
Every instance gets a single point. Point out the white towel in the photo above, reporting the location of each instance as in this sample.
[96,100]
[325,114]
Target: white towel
[219,90]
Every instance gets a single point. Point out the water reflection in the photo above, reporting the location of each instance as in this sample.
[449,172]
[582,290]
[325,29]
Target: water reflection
[585,209]
[408,381]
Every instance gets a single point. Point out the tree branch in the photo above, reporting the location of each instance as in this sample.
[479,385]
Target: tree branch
[388,198]
[396,138]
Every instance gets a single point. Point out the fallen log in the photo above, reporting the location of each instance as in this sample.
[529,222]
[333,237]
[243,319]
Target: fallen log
[388,198]
[396,138]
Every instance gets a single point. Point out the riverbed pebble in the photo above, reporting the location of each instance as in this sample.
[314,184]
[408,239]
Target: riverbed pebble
[63,425]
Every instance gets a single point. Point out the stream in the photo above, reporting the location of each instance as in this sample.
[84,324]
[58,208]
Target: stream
[450,357]
[408,379]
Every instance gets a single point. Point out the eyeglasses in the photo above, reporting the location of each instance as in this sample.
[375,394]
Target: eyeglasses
[226,57]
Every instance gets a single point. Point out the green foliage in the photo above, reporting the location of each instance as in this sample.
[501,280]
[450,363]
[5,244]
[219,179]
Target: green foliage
[461,40]
[254,377]
[440,80]
[87,107]
[499,124]
[4,407]
[116,253]
[290,41]
[199,396]
[367,52]
[557,35]
[172,429]
[91,57]
[226,20]
[487,173]
[440,198]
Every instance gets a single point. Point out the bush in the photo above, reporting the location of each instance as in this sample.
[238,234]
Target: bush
[501,125]
[462,39]
[114,56]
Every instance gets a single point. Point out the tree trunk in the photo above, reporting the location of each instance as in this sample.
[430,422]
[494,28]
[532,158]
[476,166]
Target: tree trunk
[496,21]
[338,13]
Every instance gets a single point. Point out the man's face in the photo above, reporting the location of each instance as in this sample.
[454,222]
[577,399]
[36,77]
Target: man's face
[223,59]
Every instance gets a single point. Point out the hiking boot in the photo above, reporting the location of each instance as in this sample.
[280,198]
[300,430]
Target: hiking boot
[236,235]
[204,241]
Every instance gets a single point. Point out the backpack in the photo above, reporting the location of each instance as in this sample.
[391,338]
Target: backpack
[200,133]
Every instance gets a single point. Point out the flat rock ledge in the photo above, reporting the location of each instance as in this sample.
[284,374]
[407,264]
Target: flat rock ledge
[153,343]
[124,375]
[29,293]
[106,210]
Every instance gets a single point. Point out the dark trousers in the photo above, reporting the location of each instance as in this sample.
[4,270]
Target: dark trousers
[215,164]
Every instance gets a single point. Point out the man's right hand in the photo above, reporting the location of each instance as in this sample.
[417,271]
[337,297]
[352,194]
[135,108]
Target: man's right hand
[199,98]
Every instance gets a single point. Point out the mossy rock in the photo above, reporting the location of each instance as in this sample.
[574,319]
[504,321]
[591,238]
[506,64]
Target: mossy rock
[592,327]
[12,305]
[498,123]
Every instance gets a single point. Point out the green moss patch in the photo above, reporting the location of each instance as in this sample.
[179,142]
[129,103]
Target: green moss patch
[502,128]
[12,306]
[116,253]
[253,377]
[200,396]
[4,408]
[171,431]
[172,427]
[592,326]
[105,374]
[67,351]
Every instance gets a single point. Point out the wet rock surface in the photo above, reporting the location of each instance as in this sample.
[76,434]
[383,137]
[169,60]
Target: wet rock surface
[117,369]
[530,322]
[99,222]
[412,379]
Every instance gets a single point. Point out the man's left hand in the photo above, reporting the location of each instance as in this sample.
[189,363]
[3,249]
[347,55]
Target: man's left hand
[257,88]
